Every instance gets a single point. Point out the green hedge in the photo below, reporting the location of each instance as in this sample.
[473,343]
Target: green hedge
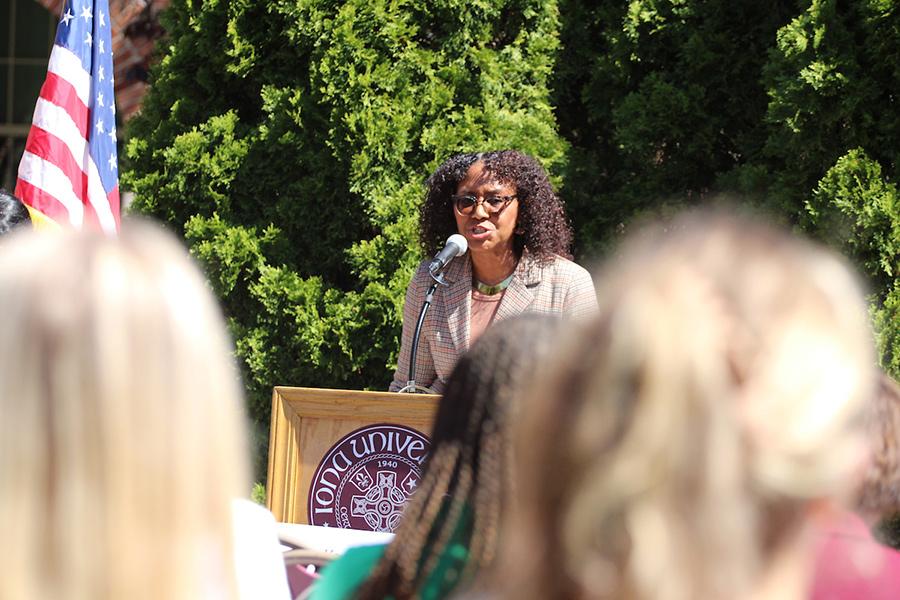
[287,141]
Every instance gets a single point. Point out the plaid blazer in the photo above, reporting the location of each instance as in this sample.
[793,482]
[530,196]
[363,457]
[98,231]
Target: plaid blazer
[560,287]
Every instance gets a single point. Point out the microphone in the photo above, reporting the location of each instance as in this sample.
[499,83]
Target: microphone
[456,246]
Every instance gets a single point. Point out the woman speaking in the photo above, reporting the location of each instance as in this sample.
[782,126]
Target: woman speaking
[517,260]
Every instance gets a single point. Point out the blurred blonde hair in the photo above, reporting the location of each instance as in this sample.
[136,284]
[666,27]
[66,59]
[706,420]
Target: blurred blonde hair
[121,426]
[673,448]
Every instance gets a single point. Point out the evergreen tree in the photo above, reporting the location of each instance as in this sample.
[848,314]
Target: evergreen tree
[832,80]
[663,104]
[289,140]
[789,107]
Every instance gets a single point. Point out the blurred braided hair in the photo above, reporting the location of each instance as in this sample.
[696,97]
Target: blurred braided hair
[469,465]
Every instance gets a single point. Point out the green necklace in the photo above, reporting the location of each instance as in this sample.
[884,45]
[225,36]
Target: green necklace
[490,290]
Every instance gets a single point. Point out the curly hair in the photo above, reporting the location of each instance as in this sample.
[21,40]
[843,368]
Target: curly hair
[545,229]
[12,212]
[468,480]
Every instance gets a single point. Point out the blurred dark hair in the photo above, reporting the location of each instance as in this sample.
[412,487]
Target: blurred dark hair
[880,490]
[467,480]
[12,212]
[542,216]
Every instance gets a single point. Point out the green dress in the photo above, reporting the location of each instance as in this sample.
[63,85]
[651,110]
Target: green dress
[341,578]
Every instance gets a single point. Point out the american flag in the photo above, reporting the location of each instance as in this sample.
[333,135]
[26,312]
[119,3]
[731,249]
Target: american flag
[69,171]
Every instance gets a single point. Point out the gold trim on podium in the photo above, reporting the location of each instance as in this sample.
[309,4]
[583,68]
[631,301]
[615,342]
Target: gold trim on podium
[307,422]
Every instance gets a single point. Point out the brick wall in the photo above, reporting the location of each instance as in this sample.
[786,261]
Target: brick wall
[134,31]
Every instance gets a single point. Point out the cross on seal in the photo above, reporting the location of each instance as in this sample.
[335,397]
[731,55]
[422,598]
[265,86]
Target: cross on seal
[382,504]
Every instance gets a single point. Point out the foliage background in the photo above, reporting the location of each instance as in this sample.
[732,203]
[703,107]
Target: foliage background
[287,141]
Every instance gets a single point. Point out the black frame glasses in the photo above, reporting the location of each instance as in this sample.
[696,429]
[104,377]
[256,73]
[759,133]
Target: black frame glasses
[465,205]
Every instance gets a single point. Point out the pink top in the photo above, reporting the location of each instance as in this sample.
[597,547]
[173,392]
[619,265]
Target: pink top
[484,308]
[851,565]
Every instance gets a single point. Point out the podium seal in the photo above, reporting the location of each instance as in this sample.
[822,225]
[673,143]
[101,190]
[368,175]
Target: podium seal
[366,478]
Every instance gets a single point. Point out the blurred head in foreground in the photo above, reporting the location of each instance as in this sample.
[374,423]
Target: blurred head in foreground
[121,426]
[467,481]
[682,438]
[12,213]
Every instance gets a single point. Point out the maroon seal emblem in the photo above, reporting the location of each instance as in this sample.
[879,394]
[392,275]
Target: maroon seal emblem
[366,478]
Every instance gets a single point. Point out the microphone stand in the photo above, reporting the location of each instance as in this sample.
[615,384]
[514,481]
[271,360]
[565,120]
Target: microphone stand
[411,387]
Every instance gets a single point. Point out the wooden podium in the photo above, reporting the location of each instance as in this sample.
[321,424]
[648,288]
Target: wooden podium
[306,423]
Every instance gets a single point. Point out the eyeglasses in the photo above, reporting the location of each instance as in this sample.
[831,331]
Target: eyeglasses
[465,205]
